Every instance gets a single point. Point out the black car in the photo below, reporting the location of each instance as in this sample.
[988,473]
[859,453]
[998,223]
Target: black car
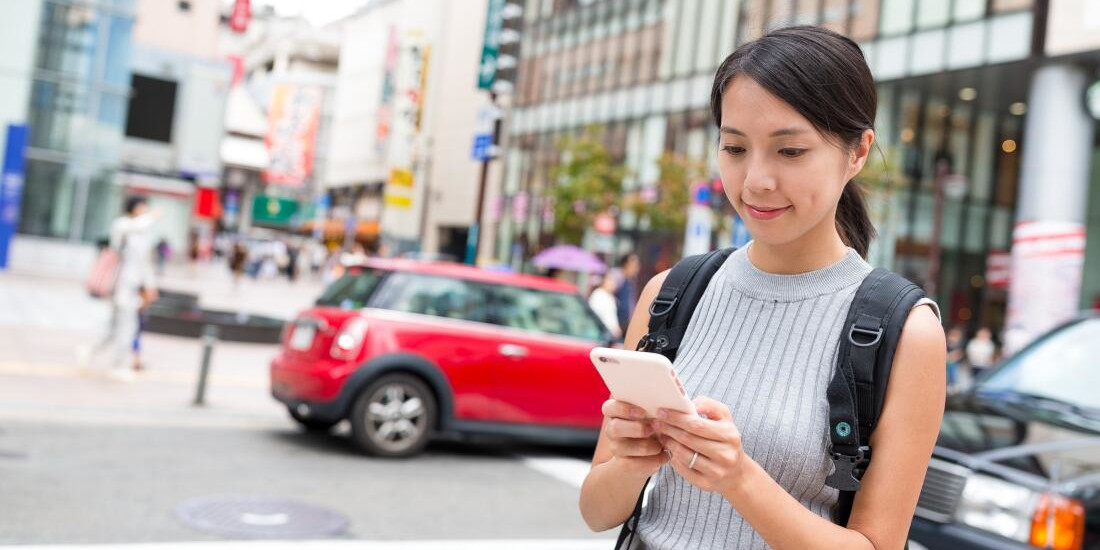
[1023,443]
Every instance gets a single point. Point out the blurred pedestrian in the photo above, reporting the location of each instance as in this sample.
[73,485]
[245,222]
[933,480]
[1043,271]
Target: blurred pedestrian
[602,301]
[237,261]
[980,352]
[627,294]
[164,251]
[291,269]
[131,235]
[956,353]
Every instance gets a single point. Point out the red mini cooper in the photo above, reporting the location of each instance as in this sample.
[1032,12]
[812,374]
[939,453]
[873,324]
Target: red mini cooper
[406,350]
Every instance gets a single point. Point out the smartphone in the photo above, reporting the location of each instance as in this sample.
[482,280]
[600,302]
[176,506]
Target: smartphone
[644,379]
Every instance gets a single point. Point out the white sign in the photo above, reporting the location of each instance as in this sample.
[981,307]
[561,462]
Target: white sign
[700,224]
[1048,261]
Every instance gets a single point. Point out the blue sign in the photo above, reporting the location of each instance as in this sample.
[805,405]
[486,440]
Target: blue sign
[483,144]
[740,235]
[11,188]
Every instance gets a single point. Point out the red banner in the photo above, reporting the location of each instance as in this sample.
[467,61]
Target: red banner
[241,15]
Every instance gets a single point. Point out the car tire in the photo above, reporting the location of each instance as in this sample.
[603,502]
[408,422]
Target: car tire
[312,424]
[394,416]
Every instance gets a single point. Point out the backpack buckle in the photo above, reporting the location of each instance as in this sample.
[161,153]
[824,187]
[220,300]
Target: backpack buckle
[667,306]
[875,334]
[848,470]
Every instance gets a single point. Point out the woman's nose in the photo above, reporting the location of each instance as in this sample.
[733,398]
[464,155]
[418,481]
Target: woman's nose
[759,178]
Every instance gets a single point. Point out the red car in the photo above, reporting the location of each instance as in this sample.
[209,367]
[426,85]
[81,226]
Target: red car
[407,349]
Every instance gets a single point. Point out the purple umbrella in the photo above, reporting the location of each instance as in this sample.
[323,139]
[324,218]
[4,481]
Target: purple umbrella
[569,258]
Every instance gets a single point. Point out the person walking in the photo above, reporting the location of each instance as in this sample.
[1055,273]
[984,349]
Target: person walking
[795,110]
[980,352]
[135,288]
[603,302]
[956,354]
[627,293]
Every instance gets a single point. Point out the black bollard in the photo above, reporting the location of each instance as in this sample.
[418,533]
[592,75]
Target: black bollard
[209,336]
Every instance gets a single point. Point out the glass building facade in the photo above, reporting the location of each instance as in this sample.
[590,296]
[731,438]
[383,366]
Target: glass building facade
[79,94]
[953,89]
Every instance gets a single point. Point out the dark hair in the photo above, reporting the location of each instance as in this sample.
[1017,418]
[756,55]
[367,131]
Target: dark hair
[626,259]
[133,202]
[824,76]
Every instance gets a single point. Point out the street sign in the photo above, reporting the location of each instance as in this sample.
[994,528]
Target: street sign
[11,188]
[269,210]
[483,145]
[490,49]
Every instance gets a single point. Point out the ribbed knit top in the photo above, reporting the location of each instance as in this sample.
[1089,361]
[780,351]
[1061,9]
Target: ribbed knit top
[766,346]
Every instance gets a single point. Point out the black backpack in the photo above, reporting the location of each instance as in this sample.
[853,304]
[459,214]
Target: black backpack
[858,388]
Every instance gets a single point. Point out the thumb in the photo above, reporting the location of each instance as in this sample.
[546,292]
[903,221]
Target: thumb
[713,409]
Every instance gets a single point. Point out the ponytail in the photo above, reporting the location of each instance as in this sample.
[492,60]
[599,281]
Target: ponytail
[852,221]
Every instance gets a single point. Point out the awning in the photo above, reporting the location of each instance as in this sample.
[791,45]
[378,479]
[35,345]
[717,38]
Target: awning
[242,152]
[335,228]
[155,185]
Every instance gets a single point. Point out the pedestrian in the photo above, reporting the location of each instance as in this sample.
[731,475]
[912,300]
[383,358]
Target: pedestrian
[603,302]
[627,294]
[795,111]
[135,288]
[956,354]
[164,251]
[980,352]
[291,268]
[237,261]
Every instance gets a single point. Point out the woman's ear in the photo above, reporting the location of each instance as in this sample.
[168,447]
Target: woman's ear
[858,157]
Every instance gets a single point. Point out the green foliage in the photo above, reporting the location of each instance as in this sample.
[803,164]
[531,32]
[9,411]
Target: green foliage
[668,213]
[587,182]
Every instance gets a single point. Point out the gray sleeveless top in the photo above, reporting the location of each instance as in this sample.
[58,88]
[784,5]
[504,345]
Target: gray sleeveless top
[766,346]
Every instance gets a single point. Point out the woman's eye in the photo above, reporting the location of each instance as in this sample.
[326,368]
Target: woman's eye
[791,153]
[733,149]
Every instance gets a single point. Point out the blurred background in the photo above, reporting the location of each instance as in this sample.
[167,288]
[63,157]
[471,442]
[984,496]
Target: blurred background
[281,141]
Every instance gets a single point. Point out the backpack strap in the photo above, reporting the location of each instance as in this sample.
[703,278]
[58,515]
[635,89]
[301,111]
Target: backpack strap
[865,357]
[669,315]
[671,311]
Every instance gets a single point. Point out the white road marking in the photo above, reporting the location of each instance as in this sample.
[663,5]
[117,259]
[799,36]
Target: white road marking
[568,470]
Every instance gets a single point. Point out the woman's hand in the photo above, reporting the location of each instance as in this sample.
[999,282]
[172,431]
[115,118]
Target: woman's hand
[720,462]
[632,439]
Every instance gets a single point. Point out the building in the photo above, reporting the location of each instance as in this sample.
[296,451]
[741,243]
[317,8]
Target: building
[981,115]
[405,116]
[68,79]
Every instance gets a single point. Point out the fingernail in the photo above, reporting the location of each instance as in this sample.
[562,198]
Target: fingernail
[662,414]
[637,413]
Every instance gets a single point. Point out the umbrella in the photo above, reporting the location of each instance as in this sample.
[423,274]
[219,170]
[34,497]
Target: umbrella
[569,258]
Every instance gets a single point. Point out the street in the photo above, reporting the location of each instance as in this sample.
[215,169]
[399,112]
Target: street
[86,459]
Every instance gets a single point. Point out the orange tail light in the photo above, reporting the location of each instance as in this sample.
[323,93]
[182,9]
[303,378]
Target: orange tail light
[1068,523]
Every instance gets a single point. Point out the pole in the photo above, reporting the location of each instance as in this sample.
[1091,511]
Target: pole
[209,336]
[932,285]
[473,240]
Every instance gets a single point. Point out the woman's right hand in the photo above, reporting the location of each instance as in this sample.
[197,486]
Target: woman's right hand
[633,441]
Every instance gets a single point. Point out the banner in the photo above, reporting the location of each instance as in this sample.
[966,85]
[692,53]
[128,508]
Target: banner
[241,15]
[11,187]
[291,138]
[1047,266]
[490,48]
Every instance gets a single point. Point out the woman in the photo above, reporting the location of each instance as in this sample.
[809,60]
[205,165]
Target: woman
[603,302]
[795,111]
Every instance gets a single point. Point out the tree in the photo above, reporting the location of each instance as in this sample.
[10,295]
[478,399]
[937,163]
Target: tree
[586,183]
[668,212]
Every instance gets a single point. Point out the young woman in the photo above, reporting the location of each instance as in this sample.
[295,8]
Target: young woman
[795,111]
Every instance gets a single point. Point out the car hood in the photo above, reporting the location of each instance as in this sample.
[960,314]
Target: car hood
[1030,445]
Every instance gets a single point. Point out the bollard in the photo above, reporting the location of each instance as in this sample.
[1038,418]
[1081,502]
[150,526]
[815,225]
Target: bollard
[209,336]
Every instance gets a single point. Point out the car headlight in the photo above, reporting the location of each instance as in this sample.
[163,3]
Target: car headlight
[997,506]
[1021,514]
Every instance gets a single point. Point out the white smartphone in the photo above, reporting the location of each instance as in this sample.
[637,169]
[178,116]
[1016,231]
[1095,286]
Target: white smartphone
[644,379]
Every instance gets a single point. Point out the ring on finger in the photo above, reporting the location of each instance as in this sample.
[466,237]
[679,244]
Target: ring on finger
[694,457]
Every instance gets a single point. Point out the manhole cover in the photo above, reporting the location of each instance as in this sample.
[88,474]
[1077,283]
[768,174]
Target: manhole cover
[259,517]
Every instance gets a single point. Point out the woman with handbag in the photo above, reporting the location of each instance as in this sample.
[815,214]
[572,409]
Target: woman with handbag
[795,111]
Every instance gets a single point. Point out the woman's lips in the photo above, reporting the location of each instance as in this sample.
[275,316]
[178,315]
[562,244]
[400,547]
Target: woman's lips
[765,213]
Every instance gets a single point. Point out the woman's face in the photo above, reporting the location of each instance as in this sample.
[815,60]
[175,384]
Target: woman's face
[782,176]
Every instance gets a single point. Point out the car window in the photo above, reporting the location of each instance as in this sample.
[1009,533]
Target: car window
[546,312]
[352,290]
[1063,366]
[430,295]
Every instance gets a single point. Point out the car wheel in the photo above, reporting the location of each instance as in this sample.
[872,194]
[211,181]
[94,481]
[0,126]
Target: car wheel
[394,416]
[312,424]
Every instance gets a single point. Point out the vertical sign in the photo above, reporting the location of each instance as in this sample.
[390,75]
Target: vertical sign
[490,49]
[242,13]
[292,133]
[11,188]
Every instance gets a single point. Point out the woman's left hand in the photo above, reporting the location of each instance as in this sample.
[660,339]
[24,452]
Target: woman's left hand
[721,459]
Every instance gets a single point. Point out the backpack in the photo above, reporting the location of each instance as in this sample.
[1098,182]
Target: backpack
[856,392]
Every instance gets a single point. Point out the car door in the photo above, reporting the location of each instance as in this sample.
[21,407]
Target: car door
[443,320]
[544,375]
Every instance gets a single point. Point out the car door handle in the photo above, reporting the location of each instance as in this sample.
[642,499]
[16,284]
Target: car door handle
[512,350]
